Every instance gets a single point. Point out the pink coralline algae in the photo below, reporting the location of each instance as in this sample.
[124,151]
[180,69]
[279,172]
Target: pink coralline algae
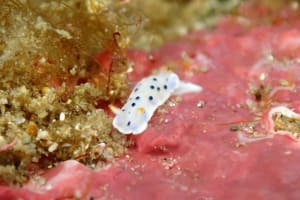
[204,145]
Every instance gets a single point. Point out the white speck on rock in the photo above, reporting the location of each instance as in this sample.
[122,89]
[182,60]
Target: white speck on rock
[20,120]
[62,116]
[52,147]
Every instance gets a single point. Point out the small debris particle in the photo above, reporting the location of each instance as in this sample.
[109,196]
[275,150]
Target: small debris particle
[39,181]
[261,92]
[200,104]
[102,144]
[77,126]
[204,68]
[171,103]
[178,99]
[73,71]
[284,82]
[66,145]
[174,102]
[62,116]
[42,134]
[53,147]
[270,57]
[240,144]
[20,120]
[42,60]
[262,76]
[169,163]
[48,187]
[235,127]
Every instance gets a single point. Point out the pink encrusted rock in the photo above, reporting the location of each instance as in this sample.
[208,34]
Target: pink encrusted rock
[289,43]
[68,180]
[190,150]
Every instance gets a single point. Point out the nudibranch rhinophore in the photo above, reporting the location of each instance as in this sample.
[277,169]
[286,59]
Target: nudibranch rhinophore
[146,97]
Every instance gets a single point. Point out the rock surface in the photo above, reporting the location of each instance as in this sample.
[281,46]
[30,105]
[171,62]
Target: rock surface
[217,144]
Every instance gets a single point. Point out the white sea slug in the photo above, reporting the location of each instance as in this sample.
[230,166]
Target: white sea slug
[146,97]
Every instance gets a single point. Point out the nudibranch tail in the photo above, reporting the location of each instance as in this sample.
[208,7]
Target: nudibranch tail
[186,87]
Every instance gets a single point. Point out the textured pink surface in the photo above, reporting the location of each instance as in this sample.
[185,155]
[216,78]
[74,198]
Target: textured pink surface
[189,152]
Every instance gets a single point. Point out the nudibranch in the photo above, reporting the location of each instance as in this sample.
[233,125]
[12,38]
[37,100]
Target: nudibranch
[148,94]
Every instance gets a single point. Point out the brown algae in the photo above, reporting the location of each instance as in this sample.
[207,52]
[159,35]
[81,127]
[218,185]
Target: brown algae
[286,123]
[48,95]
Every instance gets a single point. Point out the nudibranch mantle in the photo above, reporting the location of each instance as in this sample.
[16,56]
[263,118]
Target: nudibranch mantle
[148,94]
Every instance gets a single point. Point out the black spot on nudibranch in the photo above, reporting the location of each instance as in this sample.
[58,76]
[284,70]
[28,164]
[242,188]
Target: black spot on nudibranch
[165,87]
[158,88]
[136,89]
[128,123]
[154,79]
[150,98]
[137,98]
[123,110]
[151,87]
[133,104]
